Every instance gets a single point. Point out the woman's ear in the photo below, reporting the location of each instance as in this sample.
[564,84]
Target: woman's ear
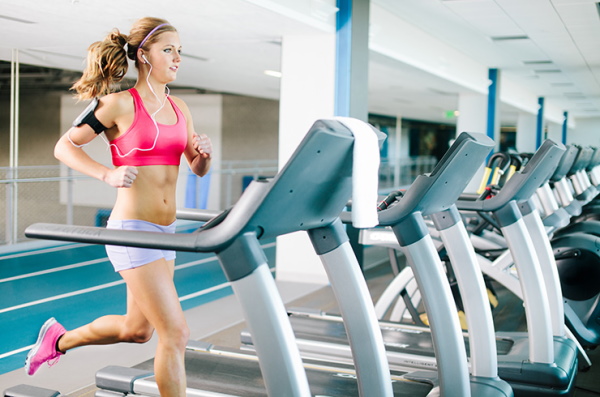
[142,57]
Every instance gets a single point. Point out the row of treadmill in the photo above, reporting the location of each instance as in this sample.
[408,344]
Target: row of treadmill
[532,228]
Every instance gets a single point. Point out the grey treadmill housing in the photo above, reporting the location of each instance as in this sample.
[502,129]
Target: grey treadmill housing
[439,190]
[595,160]
[566,162]
[583,159]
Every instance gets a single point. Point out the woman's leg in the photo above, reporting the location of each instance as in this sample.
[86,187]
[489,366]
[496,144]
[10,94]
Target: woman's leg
[132,327]
[154,293]
[152,303]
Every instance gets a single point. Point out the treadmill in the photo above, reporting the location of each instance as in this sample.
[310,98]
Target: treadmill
[307,194]
[530,365]
[436,192]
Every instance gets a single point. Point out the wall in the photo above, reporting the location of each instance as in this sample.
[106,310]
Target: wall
[38,124]
[249,132]
[586,132]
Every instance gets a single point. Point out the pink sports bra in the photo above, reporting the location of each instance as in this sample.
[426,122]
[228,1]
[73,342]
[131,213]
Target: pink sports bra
[132,148]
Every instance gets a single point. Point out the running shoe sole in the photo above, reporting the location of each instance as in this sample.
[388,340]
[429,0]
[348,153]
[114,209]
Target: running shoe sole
[49,323]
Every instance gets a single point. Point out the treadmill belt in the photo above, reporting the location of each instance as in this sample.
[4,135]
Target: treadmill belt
[396,339]
[241,376]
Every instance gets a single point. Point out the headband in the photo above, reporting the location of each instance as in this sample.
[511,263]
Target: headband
[150,34]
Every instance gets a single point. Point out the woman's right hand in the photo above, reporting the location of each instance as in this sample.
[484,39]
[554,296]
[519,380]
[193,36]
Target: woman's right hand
[122,176]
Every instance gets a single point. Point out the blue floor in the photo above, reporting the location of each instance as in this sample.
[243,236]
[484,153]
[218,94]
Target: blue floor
[75,283]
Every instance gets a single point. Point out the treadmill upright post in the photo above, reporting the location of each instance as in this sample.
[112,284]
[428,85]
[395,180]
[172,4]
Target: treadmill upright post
[355,304]
[448,341]
[265,314]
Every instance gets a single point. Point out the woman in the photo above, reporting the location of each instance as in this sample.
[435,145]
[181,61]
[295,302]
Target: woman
[147,131]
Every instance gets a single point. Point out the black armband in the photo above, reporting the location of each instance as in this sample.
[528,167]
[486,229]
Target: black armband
[88,117]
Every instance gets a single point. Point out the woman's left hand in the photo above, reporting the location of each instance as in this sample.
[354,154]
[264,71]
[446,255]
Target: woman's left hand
[202,145]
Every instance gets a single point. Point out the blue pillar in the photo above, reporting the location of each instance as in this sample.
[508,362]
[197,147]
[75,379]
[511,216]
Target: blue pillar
[540,123]
[564,127]
[352,75]
[493,92]
[352,59]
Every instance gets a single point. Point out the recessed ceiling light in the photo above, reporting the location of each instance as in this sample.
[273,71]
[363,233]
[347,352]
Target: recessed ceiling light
[273,73]
[508,38]
[537,62]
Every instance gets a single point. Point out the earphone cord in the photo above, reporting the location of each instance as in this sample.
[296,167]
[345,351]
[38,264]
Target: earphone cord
[152,116]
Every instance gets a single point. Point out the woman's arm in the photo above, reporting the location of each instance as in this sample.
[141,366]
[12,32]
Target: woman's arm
[69,149]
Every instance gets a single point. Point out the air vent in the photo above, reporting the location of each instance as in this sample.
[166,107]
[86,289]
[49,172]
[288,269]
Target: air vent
[440,92]
[574,95]
[540,71]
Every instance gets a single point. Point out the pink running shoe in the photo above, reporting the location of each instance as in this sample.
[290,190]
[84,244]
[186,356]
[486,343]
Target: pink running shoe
[44,349]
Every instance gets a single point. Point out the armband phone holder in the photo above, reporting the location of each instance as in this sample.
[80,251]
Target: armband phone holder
[88,117]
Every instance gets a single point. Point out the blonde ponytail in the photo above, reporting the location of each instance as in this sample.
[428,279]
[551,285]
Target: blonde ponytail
[106,66]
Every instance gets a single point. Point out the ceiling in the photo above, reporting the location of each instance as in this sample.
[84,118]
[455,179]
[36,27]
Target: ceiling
[549,48]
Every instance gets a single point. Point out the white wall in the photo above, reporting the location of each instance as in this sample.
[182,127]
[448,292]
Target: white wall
[586,132]
[307,94]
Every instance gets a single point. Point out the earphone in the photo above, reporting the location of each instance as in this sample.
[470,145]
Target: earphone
[145,59]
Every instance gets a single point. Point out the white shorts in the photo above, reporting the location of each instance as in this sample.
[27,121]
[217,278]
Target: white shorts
[123,258]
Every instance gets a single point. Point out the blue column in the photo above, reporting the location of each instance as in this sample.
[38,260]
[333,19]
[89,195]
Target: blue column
[493,92]
[564,127]
[540,123]
[352,59]
[343,54]
[352,75]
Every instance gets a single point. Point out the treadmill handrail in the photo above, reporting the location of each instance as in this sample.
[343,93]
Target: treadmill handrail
[211,240]
[450,176]
[523,184]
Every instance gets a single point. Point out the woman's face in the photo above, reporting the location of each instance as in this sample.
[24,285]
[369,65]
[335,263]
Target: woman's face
[165,56]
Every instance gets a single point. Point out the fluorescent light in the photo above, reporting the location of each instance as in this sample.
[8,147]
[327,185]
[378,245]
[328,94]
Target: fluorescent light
[509,38]
[273,73]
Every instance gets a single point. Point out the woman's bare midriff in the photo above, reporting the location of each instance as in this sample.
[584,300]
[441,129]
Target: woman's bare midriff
[151,197]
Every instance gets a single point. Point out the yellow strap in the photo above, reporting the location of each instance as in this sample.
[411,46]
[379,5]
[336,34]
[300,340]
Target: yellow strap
[511,171]
[496,177]
[484,181]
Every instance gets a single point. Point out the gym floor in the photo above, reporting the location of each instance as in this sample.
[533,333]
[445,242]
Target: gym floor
[219,321]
